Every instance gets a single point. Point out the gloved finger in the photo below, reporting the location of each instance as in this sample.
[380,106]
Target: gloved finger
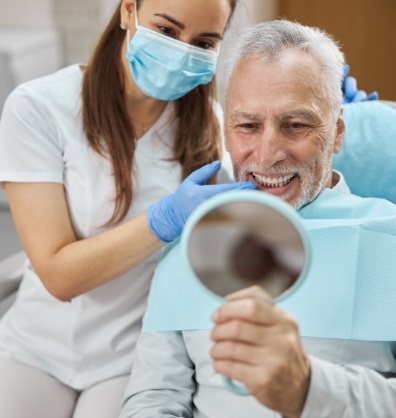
[203,174]
[373,96]
[360,96]
[346,70]
[219,188]
[350,88]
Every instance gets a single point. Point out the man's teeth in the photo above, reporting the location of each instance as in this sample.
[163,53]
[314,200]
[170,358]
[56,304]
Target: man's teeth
[274,182]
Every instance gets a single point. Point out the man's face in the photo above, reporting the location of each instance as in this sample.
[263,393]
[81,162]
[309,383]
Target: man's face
[279,129]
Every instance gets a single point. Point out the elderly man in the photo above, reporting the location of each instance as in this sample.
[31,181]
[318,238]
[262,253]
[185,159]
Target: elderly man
[283,123]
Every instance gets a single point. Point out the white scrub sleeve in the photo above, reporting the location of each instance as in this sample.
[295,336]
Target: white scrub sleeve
[29,148]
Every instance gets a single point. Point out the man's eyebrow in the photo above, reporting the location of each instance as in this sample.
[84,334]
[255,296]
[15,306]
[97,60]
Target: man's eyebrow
[238,114]
[182,26]
[300,113]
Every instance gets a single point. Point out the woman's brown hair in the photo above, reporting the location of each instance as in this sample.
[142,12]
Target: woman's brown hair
[108,128]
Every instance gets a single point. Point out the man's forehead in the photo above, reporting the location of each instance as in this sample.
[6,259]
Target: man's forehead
[298,112]
[286,88]
[288,59]
[293,68]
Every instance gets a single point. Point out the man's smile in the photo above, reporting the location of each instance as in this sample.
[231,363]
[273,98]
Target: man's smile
[272,182]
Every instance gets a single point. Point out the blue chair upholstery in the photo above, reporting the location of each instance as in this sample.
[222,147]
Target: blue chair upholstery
[368,156]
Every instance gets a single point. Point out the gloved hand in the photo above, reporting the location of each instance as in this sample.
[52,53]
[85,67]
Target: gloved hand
[167,217]
[350,91]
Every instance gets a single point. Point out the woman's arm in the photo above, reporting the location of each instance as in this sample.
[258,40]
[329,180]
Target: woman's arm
[67,266]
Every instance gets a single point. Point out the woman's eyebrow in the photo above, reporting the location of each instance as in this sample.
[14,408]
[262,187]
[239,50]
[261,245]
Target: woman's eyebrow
[171,20]
[182,26]
[211,35]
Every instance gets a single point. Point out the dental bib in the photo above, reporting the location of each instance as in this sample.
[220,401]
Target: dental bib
[349,291]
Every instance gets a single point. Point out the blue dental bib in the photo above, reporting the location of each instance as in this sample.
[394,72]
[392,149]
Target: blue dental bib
[348,293]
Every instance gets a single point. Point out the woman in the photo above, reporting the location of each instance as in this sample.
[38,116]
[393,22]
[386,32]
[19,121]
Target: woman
[83,153]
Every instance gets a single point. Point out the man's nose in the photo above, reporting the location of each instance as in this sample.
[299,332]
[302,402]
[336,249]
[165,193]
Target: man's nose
[271,147]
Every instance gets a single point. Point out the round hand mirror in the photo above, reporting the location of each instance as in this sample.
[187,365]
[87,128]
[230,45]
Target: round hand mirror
[242,238]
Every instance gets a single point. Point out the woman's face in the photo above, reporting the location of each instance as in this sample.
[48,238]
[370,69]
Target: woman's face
[197,22]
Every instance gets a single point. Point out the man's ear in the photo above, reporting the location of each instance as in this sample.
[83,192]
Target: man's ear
[340,133]
[127,14]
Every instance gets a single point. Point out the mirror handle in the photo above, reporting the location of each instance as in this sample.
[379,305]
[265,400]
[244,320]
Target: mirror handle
[234,386]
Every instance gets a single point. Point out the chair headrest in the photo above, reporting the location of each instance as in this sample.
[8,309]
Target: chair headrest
[368,156]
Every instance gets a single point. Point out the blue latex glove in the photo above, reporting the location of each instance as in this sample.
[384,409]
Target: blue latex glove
[167,217]
[350,91]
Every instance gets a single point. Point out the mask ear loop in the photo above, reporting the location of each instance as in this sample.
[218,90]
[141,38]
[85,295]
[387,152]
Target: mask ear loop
[136,19]
[136,24]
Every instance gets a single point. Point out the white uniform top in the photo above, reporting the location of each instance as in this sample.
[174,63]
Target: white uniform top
[92,337]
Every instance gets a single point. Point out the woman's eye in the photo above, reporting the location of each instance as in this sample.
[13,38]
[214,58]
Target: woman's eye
[205,45]
[165,30]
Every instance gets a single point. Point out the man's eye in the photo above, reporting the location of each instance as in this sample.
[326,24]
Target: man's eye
[247,125]
[297,125]
[296,129]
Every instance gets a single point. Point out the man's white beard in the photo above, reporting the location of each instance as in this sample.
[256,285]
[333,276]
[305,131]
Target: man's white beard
[310,187]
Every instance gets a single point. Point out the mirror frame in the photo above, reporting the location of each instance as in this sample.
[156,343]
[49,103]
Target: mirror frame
[254,196]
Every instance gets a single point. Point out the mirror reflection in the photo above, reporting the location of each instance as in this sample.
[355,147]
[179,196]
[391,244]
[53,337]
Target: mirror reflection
[240,244]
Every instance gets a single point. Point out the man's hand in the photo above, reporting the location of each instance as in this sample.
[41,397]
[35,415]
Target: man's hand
[259,345]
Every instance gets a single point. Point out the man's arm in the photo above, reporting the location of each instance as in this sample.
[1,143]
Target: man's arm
[161,383]
[348,391]
[258,344]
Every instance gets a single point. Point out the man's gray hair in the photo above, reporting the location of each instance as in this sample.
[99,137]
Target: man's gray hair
[270,40]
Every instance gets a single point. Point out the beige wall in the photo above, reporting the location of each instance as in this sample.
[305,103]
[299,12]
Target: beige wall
[366,32]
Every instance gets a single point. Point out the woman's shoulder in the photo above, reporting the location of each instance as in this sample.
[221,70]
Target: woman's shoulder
[49,98]
[61,86]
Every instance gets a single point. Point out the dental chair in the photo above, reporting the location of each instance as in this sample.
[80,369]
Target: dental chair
[11,272]
[367,160]
[12,257]
[368,155]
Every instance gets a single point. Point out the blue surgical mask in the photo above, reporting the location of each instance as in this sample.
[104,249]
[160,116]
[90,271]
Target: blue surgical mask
[165,68]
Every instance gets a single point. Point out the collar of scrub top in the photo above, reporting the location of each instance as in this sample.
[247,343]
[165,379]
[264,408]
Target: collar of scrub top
[348,293]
